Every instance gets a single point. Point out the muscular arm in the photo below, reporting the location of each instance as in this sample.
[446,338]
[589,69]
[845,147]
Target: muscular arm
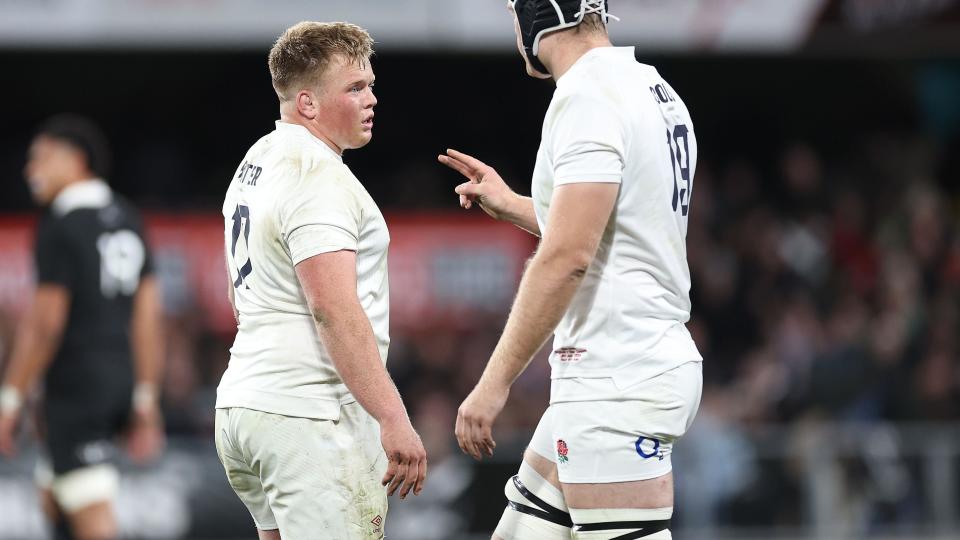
[329,282]
[38,337]
[577,219]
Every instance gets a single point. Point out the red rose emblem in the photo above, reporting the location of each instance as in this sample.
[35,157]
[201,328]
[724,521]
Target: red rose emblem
[562,451]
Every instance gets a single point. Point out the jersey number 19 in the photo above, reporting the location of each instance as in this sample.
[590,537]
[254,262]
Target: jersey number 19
[679,144]
[121,260]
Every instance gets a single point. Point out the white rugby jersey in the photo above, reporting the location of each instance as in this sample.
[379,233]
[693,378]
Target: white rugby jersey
[613,119]
[293,198]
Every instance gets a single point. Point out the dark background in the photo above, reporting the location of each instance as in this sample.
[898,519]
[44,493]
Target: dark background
[180,122]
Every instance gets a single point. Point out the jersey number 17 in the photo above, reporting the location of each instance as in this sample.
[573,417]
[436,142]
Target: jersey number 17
[241,224]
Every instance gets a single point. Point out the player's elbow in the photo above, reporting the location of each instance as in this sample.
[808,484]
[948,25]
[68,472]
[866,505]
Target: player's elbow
[328,313]
[578,265]
[47,318]
[320,316]
[43,328]
[571,261]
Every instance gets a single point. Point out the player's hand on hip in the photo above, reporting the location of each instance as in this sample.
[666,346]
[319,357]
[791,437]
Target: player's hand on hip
[474,429]
[8,433]
[406,458]
[484,186]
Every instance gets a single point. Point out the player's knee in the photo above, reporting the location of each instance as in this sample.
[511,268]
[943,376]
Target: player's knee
[607,524]
[535,509]
[94,522]
[269,534]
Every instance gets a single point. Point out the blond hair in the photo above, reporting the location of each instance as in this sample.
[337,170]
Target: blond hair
[302,53]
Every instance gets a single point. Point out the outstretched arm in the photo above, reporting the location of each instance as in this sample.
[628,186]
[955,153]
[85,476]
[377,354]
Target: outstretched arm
[485,187]
[578,217]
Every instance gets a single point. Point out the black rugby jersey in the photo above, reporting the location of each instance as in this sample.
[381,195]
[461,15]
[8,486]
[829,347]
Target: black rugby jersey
[91,241]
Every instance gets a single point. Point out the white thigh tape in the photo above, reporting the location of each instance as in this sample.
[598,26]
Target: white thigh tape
[83,487]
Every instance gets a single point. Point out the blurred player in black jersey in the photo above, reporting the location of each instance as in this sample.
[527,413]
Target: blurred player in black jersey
[95,307]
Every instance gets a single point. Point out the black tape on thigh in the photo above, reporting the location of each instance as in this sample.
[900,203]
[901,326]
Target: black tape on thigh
[644,528]
[546,512]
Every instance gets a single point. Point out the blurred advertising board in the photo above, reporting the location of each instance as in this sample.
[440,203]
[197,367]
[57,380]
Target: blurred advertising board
[440,25]
[762,26]
[444,268]
[869,15]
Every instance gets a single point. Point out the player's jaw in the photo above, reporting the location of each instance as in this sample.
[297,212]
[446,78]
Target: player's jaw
[50,165]
[366,124]
[356,129]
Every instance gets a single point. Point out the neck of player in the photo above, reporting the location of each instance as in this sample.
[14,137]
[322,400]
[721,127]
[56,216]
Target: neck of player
[290,115]
[559,51]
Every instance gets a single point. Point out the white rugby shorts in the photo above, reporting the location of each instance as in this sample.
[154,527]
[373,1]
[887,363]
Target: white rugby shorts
[625,439]
[308,478]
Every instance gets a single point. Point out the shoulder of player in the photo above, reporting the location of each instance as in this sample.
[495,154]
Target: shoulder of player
[58,230]
[119,213]
[321,171]
[130,213]
[297,157]
[49,223]
[123,203]
[603,77]
[591,97]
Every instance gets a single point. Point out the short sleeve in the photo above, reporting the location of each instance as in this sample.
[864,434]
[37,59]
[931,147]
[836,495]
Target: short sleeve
[148,264]
[587,141]
[136,223]
[52,255]
[323,217]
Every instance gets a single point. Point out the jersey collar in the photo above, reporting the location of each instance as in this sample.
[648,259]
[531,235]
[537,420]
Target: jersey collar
[93,193]
[626,52]
[300,131]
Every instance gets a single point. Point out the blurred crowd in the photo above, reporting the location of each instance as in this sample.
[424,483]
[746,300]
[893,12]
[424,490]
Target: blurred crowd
[825,302]
[831,290]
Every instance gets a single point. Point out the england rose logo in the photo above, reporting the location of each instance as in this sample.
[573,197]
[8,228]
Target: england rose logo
[562,451]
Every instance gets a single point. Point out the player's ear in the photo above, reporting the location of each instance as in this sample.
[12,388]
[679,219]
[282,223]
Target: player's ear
[307,104]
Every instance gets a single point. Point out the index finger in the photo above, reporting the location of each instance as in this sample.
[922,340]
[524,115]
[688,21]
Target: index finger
[466,158]
[458,431]
[391,472]
[459,166]
[399,478]
[413,479]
